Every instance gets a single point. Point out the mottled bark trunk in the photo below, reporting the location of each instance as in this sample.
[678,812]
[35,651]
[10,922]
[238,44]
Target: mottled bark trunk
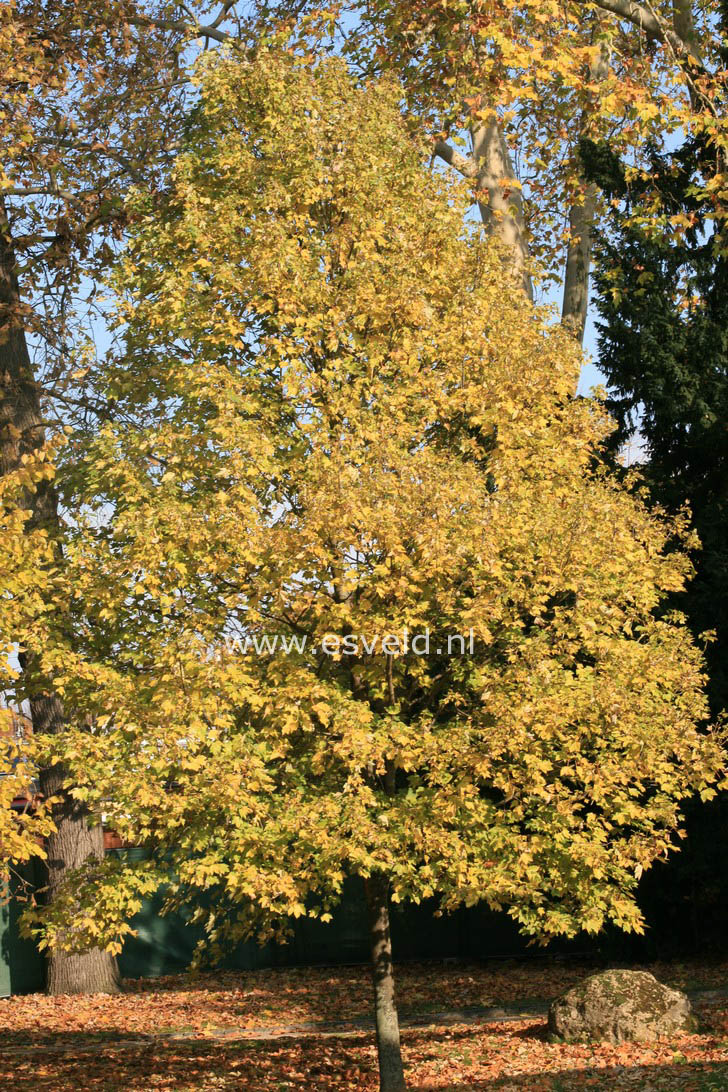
[578,263]
[581,230]
[501,201]
[683,21]
[21,432]
[391,1073]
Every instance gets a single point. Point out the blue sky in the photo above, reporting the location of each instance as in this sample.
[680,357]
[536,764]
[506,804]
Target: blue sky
[590,374]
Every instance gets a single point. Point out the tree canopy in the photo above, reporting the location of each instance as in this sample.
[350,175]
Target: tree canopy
[95,99]
[335,419]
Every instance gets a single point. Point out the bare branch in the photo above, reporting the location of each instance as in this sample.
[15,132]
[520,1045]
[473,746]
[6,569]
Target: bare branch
[192,30]
[465,166]
[220,17]
[645,20]
[685,52]
[41,191]
[83,146]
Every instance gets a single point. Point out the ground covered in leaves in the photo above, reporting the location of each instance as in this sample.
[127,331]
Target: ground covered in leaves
[228,1030]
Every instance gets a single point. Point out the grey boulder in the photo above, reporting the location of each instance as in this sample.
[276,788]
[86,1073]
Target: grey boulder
[618,1007]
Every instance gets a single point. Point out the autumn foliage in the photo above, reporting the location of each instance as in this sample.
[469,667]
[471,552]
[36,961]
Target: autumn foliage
[336,416]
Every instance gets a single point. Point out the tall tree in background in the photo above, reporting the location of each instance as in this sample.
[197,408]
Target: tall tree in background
[528,81]
[334,424]
[92,100]
[663,346]
[68,157]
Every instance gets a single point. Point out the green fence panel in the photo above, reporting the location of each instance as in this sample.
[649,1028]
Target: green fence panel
[22,967]
[165,944]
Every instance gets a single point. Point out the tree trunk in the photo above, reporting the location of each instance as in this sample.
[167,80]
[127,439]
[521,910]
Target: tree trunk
[501,201]
[578,261]
[391,1073]
[21,432]
[683,21]
[74,842]
[581,228]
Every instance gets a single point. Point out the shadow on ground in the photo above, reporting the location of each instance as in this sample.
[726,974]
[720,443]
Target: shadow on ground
[69,1063]
[669,1078]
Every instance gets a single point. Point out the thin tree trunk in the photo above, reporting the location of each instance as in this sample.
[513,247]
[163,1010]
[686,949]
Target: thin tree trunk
[683,21]
[21,432]
[391,1073]
[578,262]
[581,229]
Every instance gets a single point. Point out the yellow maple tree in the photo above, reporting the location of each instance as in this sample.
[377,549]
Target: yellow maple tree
[338,421]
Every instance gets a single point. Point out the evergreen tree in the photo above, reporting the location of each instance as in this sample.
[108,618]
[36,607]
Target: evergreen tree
[663,346]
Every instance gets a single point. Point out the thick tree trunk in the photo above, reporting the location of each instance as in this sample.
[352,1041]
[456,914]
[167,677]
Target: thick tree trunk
[21,431]
[74,842]
[501,201]
[391,1073]
[683,21]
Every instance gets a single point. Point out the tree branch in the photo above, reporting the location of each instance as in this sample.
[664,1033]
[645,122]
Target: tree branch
[465,166]
[194,30]
[103,150]
[41,191]
[222,13]
[644,19]
[685,50]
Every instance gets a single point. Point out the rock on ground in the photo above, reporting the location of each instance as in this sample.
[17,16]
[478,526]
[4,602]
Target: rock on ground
[620,1006]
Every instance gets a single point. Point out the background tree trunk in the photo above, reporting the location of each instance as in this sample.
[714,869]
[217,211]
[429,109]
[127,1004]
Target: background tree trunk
[578,262]
[21,431]
[74,842]
[582,214]
[502,212]
[391,1073]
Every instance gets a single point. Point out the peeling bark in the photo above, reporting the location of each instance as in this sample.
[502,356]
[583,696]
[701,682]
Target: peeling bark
[575,298]
[578,262]
[500,199]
